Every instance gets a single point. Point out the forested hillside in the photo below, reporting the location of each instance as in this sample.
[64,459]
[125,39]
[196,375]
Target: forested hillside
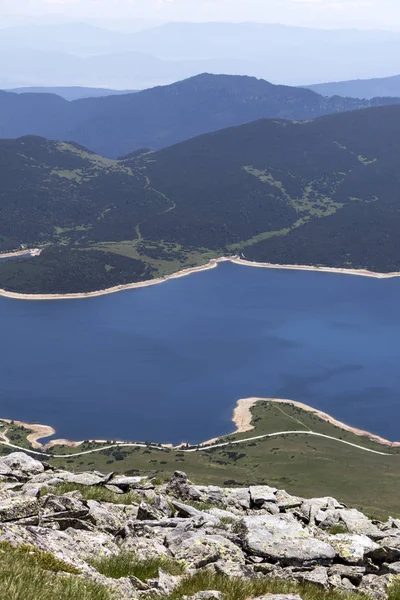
[321,192]
[156,118]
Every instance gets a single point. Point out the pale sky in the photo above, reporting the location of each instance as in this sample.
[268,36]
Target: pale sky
[372,14]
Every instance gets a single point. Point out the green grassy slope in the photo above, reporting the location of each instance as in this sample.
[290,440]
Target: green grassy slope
[320,192]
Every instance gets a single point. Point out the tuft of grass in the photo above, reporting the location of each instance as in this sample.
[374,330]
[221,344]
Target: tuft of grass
[127,564]
[201,505]
[338,528]
[241,589]
[31,575]
[394,590]
[93,492]
[44,560]
[228,520]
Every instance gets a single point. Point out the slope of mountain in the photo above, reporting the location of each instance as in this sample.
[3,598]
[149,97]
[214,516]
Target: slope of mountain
[360,88]
[159,117]
[324,191]
[71,93]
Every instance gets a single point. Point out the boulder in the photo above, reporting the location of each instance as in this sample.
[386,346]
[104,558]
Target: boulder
[16,508]
[167,583]
[376,586]
[259,494]
[358,523]
[351,548]
[285,501]
[107,517]
[282,538]
[318,576]
[20,465]
[353,573]
[195,550]
[144,548]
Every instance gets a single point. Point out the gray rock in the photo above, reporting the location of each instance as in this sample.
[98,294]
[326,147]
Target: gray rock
[63,507]
[358,523]
[376,586]
[144,548]
[16,508]
[393,568]
[19,465]
[148,512]
[262,493]
[233,569]
[178,486]
[388,549]
[167,583]
[284,539]
[318,576]
[352,573]
[110,518]
[196,550]
[285,501]
[310,508]
[351,548]
[206,595]
[83,478]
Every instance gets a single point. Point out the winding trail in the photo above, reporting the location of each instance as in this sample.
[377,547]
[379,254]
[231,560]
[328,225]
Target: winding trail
[199,448]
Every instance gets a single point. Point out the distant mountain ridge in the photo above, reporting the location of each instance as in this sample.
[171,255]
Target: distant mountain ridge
[83,54]
[71,92]
[155,118]
[360,88]
[321,192]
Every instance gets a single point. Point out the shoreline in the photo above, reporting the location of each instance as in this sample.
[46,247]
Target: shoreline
[242,419]
[212,264]
[17,253]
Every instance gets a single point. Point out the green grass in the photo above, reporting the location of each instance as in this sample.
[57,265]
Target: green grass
[44,560]
[93,492]
[243,589]
[16,434]
[30,575]
[201,505]
[335,529]
[127,564]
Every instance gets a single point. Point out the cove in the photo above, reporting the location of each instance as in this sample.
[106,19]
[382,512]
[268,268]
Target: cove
[167,363]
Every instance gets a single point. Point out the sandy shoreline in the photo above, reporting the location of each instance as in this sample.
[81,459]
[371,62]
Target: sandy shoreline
[242,418]
[210,265]
[17,253]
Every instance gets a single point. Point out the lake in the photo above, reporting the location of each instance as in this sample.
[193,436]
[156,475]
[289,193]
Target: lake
[167,363]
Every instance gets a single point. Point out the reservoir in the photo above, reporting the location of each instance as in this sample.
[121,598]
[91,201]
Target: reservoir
[168,363]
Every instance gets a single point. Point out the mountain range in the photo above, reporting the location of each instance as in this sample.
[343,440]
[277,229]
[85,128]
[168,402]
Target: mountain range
[82,54]
[360,88]
[318,192]
[71,93]
[116,125]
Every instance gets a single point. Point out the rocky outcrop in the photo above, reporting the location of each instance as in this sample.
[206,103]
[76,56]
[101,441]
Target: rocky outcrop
[256,532]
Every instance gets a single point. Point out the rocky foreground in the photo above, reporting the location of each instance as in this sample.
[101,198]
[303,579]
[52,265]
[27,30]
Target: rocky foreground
[255,532]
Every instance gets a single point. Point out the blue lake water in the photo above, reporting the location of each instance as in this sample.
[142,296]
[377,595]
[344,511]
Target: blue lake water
[168,363]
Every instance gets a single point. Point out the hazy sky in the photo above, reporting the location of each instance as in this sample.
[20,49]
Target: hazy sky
[316,13]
